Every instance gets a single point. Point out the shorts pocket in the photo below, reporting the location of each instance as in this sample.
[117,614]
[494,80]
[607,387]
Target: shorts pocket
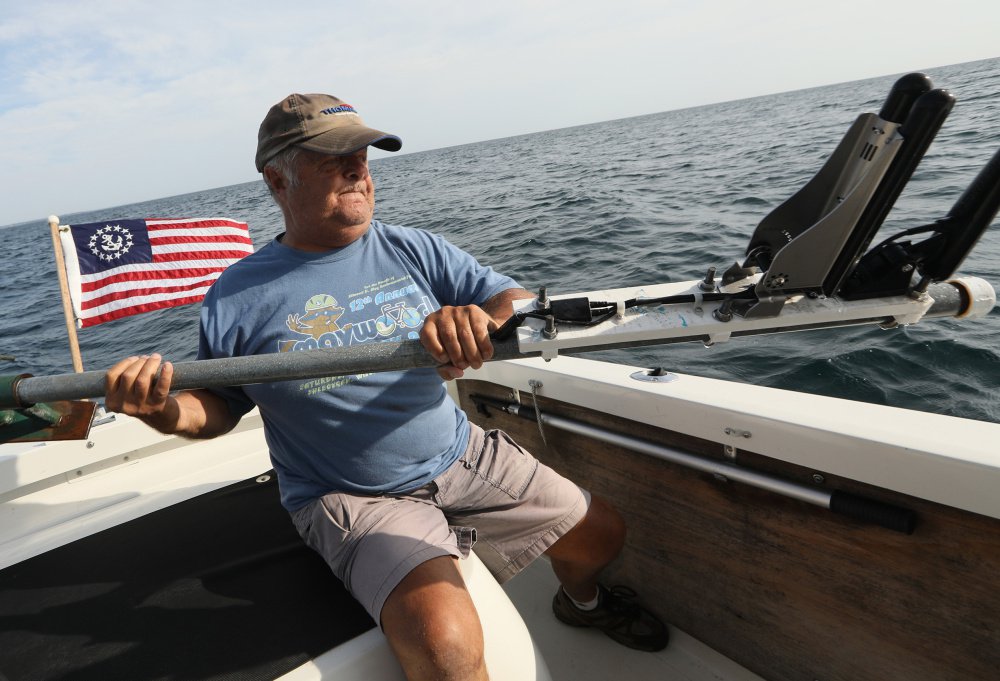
[503,464]
[337,512]
[323,525]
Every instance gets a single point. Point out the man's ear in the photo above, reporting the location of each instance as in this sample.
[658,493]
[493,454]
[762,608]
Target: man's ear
[274,179]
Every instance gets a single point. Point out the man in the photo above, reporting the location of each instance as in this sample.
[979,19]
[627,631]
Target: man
[382,474]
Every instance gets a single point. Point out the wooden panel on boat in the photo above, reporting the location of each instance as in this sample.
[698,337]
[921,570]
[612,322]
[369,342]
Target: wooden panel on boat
[789,590]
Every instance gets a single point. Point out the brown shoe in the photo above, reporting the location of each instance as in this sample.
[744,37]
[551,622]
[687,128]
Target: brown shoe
[617,615]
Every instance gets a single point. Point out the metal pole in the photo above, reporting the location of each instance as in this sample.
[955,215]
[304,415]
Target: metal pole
[853,506]
[281,366]
[949,300]
[727,471]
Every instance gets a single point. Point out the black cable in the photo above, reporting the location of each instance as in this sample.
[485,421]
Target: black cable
[933,227]
[506,330]
[593,322]
[604,309]
[674,300]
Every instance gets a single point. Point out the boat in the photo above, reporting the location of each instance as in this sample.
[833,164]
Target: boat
[781,535]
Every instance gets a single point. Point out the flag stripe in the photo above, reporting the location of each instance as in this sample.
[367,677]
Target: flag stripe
[164,262]
[175,236]
[160,223]
[181,246]
[231,256]
[156,268]
[136,301]
[114,298]
[138,309]
[135,283]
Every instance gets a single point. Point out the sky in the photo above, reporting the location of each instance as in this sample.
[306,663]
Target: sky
[109,102]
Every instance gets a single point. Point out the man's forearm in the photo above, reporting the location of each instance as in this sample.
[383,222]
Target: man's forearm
[195,414]
[500,307]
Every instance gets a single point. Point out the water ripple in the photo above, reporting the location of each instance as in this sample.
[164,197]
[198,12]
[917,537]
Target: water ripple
[620,203]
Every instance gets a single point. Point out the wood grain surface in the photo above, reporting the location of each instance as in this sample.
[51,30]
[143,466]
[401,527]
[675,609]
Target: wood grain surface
[789,590]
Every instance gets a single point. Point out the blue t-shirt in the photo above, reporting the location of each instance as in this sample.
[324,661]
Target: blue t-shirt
[378,433]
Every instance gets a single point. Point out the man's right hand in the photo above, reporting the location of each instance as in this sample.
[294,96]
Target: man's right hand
[133,388]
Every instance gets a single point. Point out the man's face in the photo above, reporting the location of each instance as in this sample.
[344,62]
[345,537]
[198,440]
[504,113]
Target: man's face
[334,195]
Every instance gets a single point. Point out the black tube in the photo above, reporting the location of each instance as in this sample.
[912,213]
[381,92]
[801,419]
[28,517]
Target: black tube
[926,118]
[871,511]
[966,222]
[904,93]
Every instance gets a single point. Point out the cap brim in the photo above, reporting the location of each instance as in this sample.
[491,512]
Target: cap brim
[349,139]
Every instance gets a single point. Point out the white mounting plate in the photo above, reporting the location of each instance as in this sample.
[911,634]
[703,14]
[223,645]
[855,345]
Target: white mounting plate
[694,321]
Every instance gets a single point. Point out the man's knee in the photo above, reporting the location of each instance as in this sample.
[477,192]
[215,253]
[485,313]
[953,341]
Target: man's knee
[432,623]
[449,646]
[607,520]
[597,538]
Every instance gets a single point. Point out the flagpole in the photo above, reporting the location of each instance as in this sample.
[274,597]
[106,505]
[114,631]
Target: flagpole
[74,344]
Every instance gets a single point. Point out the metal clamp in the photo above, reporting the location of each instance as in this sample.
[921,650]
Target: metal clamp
[535,387]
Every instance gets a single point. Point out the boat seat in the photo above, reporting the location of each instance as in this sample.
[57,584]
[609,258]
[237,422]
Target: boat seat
[219,586]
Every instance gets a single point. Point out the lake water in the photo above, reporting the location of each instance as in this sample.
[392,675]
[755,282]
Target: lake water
[620,203]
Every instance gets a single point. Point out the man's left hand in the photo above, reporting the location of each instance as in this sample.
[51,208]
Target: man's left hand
[458,338]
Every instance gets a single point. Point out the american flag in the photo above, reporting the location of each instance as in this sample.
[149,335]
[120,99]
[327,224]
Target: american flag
[124,267]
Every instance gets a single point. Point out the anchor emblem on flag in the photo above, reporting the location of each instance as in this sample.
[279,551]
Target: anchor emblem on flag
[111,242]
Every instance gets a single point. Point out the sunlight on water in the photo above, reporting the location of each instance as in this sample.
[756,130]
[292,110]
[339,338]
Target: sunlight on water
[630,202]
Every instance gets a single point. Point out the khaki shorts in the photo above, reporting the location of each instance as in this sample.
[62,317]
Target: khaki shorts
[497,496]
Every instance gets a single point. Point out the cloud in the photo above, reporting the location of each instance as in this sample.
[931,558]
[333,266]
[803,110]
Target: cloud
[107,102]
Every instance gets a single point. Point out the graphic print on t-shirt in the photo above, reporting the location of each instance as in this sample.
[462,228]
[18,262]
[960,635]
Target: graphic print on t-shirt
[320,318]
[388,310]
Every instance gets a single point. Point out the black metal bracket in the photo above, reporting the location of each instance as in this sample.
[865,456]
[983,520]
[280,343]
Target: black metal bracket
[815,242]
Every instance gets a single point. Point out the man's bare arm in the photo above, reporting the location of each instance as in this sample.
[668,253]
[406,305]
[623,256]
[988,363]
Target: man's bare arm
[500,307]
[130,389]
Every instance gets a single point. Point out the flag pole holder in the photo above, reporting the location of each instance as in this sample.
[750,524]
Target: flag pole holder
[58,419]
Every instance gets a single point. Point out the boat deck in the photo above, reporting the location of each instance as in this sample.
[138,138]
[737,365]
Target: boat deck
[813,594]
[586,655]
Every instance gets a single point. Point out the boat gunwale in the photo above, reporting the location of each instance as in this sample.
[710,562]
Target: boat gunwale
[940,458]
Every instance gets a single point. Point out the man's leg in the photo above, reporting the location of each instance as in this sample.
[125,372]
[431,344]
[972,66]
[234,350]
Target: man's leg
[577,559]
[522,509]
[432,624]
[398,556]
[579,555]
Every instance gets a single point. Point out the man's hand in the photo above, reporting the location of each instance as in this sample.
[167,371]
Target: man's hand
[132,388]
[458,338]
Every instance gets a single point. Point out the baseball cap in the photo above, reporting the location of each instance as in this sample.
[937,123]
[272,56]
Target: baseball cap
[320,123]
